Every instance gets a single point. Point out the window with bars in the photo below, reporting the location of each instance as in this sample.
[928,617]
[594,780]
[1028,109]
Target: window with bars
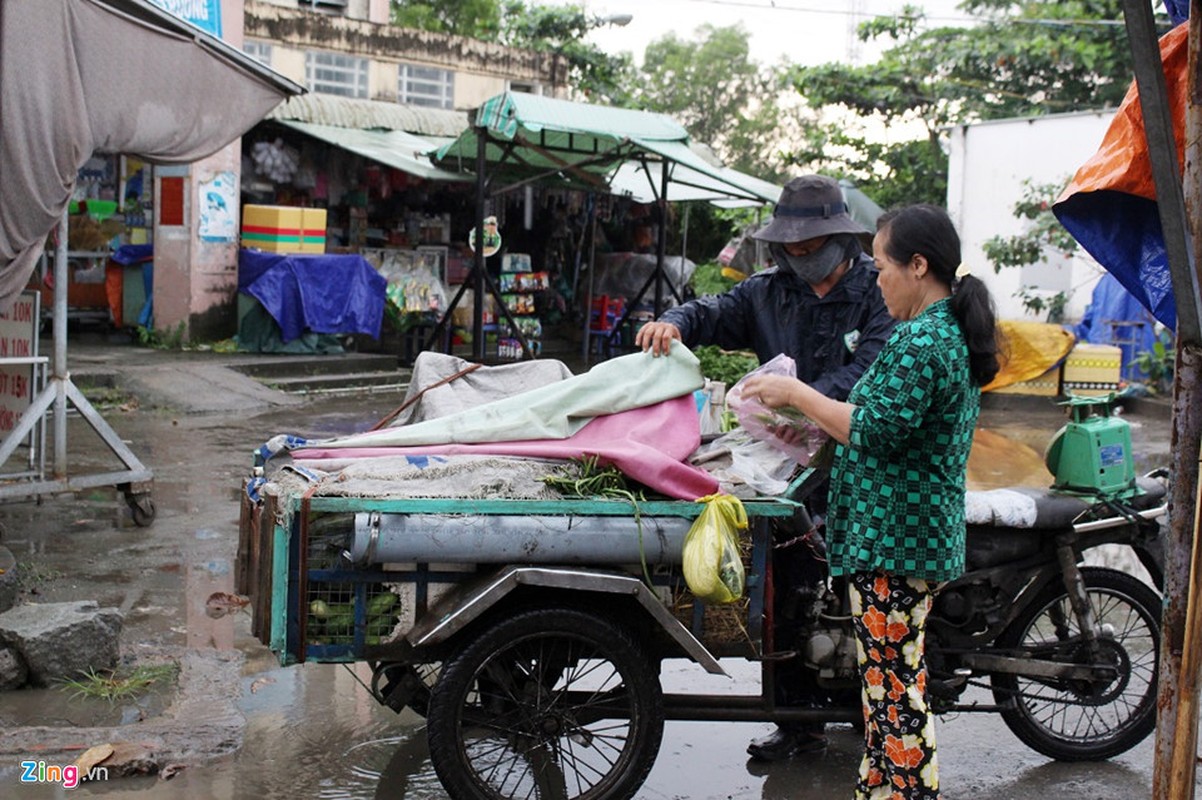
[334,73]
[528,88]
[259,51]
[426,86]
[328,6]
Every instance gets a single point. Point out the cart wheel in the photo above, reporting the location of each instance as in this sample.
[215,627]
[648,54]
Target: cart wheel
[141,507]
[548,703]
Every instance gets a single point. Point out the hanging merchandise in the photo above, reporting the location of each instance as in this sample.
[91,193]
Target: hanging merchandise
[413,291]
[519,287]
[275,160]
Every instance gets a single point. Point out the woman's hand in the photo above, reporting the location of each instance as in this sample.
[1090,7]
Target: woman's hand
[777,391]
[773,391]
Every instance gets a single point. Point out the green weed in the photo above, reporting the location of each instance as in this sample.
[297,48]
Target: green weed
[114,685]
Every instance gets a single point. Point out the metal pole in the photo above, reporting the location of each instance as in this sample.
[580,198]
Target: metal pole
[684,247]
[58,367]
[478,253]
[661,248]
[587,343]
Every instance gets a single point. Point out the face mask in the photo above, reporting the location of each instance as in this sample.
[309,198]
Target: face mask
[815,267]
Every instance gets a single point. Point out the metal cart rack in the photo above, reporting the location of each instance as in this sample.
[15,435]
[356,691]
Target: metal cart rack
[55,392]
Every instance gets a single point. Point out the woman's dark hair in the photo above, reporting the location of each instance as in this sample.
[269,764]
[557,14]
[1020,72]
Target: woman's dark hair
[928,231]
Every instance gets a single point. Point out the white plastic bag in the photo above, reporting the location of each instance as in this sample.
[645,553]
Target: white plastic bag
[764,423]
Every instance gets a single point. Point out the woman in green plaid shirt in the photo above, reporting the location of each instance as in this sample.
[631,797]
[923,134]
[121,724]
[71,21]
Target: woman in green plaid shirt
[896,519]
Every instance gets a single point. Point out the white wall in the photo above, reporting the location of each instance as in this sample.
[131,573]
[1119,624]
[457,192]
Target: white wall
[989,162]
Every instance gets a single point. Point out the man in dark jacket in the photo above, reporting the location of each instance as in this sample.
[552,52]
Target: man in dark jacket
[821,306]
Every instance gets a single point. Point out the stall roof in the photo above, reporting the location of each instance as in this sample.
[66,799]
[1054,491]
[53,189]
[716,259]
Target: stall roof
[531,134]
[687,184]
[347,112]
[110,76]
[397,149]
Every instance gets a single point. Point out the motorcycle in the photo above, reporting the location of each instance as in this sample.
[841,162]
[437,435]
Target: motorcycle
[1068,652]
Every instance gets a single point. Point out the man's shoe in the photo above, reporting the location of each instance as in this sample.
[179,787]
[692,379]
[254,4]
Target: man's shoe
[782,744]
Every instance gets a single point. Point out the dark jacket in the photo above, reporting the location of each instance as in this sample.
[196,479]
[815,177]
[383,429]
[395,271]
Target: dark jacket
[833,339]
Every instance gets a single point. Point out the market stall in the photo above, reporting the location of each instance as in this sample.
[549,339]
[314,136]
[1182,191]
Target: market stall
[518,140]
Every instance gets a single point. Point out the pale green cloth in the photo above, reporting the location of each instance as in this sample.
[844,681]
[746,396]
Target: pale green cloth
[555,411]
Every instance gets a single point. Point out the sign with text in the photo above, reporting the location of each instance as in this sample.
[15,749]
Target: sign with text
[18,340]
[204,14]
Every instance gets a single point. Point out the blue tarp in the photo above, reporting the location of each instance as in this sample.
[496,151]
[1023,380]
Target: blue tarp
[1110,205]
[319,293]
[1178,10]
[1116,318]
[128,254]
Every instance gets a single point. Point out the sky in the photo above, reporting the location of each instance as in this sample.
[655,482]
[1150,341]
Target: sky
[807,32]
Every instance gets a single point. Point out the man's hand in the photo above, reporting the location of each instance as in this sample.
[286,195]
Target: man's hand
[657,337]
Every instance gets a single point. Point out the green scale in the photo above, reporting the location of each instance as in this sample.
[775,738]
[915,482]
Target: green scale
[1091,455]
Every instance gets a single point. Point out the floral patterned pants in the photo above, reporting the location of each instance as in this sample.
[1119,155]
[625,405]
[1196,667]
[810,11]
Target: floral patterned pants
[889,614]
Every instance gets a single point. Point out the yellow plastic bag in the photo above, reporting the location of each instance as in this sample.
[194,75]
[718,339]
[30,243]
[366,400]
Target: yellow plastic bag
[713,566]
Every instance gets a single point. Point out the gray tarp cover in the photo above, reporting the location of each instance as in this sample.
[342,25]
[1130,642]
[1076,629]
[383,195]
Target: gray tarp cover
[110,76]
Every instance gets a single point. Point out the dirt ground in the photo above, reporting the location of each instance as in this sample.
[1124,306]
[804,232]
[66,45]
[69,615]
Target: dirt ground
[236,725]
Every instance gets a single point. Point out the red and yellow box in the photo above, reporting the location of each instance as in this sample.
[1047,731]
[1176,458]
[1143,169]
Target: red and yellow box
[1092,370]
[284,229]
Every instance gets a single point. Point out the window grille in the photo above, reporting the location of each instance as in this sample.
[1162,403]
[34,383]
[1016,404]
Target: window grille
[426,86]
[259,51]
[334,73]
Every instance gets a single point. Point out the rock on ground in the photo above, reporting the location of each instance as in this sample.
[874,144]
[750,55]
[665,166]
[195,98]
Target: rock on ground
[62,640]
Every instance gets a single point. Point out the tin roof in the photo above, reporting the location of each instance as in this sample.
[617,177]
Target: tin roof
[346,112]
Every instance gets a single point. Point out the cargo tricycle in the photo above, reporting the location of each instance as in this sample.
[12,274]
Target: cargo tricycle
[530,633]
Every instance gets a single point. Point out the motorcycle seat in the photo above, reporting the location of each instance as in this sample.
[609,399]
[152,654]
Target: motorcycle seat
[1043,509]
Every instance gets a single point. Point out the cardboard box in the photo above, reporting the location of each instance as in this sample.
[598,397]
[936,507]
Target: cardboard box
[284,229]
[1092,370]
[275,229]
[313,230]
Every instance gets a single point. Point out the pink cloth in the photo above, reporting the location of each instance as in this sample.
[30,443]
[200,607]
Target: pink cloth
[649,444]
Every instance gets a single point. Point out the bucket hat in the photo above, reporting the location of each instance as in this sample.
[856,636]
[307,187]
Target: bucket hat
[809,207]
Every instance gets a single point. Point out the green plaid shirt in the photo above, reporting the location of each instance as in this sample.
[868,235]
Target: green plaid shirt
[897,488]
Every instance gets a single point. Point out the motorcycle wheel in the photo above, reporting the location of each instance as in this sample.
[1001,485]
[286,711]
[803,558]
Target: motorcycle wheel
[1072,720]
[551,702]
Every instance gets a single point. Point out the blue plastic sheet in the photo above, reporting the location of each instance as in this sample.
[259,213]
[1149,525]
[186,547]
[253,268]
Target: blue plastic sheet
[128,254]
[319,293]
[1115,317]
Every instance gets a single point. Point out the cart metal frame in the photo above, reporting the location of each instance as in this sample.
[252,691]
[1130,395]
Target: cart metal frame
[134,482]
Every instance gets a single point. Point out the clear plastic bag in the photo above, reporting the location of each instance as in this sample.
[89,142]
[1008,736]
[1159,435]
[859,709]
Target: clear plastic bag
[765,424]
[713,565]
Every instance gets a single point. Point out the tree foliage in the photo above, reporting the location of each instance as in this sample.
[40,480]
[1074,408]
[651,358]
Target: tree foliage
[593,74]
[712,87]
[1021,58]
[558,31]
[478,19]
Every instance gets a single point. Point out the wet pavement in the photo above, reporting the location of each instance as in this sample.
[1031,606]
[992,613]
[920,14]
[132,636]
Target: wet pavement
[239,726]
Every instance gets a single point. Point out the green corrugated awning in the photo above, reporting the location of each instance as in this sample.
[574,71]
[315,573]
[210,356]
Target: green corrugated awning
[396,149]
[531,134]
